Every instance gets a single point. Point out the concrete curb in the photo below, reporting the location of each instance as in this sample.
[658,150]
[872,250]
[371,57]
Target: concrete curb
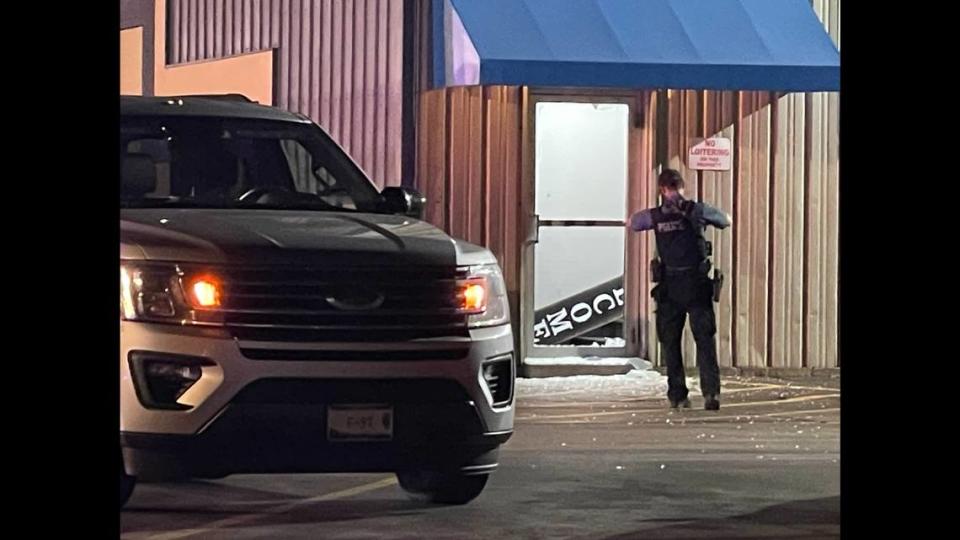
[778,373]
[570,370]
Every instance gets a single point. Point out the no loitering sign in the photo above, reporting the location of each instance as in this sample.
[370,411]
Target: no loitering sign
[714,154]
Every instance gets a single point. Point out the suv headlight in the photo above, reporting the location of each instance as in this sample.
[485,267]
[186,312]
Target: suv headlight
[164,293]
[483,296]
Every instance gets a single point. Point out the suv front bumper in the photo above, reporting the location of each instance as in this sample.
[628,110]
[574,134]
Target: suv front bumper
[269,416]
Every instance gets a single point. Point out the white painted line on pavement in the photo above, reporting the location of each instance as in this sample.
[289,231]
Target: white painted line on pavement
[650,411]
[238,520]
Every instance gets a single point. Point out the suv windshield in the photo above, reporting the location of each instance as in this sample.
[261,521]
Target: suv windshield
[236,163]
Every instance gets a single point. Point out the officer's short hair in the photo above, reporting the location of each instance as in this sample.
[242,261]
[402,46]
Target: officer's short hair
[670,179]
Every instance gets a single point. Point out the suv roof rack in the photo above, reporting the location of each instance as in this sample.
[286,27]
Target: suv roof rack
[222,97]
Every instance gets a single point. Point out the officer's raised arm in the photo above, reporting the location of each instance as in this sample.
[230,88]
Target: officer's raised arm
[716,217]
[641,221]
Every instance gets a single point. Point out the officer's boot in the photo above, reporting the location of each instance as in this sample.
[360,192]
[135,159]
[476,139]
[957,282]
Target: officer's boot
[680,404]
[711,402]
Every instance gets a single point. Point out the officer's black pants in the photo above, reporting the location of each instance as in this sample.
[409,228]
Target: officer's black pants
[677,296]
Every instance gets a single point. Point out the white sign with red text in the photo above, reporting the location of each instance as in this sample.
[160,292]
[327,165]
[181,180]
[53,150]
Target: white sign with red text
[714,154]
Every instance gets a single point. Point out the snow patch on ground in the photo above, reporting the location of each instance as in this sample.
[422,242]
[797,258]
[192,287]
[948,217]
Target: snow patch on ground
[587,361]
[641,383]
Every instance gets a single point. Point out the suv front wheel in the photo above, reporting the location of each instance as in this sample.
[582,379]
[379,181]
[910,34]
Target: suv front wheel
[442,487]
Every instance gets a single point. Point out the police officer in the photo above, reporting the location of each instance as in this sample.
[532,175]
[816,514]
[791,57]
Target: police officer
[684,285]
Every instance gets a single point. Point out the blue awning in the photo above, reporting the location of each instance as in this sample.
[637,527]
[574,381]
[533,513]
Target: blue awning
[776,45]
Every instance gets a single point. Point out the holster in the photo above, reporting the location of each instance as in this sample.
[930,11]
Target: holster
[717,284]
[658,293]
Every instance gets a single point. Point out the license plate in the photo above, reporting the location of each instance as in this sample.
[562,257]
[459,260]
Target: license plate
[359,423]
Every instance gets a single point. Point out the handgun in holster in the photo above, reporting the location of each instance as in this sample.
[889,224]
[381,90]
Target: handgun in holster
[717,284]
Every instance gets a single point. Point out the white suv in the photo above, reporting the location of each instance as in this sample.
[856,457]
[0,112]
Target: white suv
[280,315]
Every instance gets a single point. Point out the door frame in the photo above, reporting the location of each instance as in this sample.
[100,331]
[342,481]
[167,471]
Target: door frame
[636,103]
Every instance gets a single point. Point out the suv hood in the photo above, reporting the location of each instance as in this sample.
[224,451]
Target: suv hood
[282,237]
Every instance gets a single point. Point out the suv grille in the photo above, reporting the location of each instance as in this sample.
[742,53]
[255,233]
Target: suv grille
[319,391]
[354,304]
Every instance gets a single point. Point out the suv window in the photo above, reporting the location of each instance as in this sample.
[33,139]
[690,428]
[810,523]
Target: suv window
[223,163]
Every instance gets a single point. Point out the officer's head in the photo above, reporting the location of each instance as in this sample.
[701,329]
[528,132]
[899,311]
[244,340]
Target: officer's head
[670,183]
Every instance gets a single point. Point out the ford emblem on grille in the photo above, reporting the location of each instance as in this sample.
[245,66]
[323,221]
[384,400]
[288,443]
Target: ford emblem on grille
[356,301]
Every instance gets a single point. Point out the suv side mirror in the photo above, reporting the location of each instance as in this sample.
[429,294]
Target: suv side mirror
[404,201]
